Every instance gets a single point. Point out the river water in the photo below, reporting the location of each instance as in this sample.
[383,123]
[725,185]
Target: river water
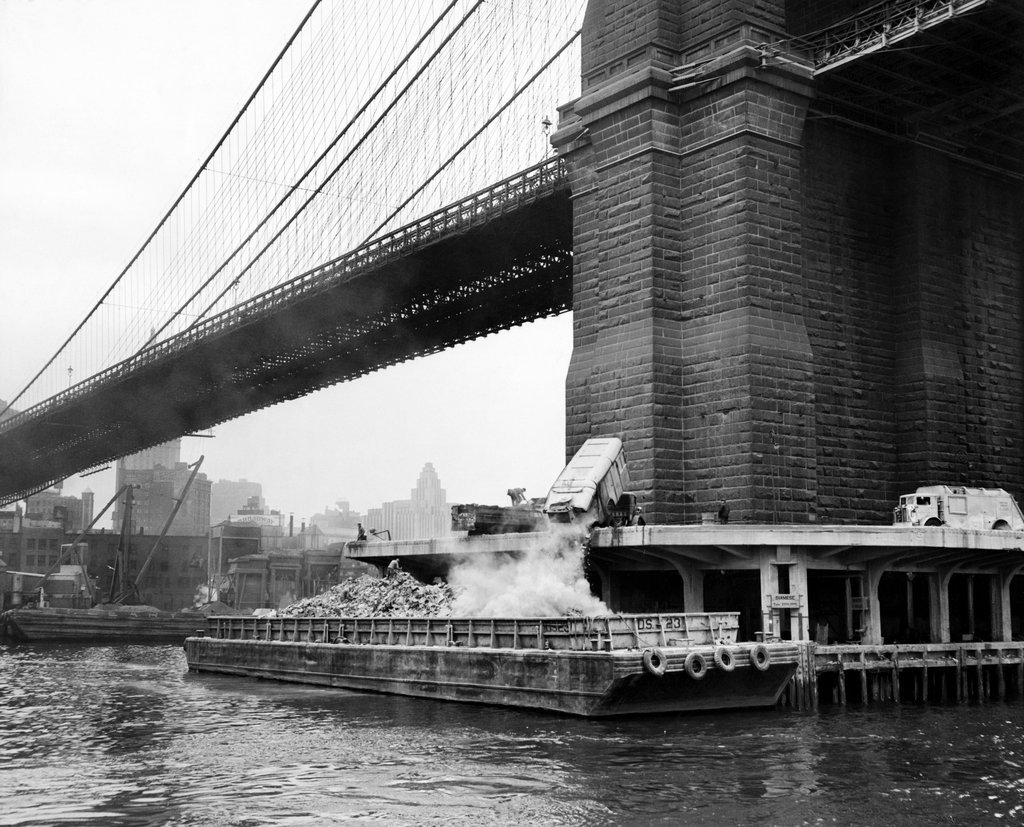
[125,735]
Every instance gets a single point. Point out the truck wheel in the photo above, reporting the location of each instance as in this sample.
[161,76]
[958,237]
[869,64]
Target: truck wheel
[1001,525]
[933,521]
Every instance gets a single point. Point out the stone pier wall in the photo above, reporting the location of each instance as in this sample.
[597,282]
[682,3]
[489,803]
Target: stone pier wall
[783,312]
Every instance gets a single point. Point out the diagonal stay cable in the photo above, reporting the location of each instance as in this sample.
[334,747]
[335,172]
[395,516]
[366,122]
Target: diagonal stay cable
[472,138]
[296,186]
[173,207]
[199,317]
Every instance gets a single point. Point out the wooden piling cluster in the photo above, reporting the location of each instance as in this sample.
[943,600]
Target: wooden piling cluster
[906,673]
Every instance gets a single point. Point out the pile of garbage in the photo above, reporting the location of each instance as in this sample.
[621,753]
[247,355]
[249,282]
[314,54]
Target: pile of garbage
[400,595]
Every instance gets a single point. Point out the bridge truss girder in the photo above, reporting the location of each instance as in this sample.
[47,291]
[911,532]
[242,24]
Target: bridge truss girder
[956,86]
[946,74]
[499,269]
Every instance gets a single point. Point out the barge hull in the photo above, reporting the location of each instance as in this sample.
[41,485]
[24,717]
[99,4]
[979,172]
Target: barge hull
[584,683]
[92,626]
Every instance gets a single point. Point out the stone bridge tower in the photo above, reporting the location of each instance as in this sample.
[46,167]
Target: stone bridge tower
[757,293]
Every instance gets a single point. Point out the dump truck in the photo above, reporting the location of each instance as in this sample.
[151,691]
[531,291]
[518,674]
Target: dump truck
[476,519]
[592,489]
[959,507]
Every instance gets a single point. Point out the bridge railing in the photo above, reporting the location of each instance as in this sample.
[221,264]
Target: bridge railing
[474,210]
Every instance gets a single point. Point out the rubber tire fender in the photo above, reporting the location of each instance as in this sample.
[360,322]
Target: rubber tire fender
[696,665]
[760,657]
[724,659]
[654,662]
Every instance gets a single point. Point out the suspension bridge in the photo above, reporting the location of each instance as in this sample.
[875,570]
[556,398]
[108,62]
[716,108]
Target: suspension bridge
[381,196]
[378,197]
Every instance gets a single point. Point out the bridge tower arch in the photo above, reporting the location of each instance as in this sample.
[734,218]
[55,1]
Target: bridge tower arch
[689,334]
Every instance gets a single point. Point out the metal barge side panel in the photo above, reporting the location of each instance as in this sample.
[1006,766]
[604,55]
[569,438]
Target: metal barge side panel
[577,683]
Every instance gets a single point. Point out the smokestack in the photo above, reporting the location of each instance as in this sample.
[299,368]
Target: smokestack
[291,525]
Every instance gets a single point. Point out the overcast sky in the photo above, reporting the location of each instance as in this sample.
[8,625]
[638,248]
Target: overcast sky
[107,107]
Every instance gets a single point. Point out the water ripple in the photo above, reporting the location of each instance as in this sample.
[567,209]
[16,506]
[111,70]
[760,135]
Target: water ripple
[125,736]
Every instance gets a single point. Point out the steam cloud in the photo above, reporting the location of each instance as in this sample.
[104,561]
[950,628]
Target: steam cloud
[545,581]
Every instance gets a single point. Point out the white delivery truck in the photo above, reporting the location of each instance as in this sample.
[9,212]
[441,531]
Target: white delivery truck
[958,507]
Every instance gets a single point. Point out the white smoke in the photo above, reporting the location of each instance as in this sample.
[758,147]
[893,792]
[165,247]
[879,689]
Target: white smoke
[544,581]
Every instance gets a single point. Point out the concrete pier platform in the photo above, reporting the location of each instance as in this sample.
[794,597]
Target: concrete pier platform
[827,584]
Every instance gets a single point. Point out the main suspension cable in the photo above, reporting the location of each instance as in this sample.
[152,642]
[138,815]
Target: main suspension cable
[339,165]
[296,187]
[174,206]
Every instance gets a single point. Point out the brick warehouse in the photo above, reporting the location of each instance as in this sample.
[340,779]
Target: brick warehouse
[798,252]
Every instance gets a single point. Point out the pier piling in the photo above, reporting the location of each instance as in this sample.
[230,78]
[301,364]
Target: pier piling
[968,672]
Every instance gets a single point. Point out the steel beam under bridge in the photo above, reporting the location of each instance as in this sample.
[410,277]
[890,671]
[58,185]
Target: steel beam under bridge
[494,260]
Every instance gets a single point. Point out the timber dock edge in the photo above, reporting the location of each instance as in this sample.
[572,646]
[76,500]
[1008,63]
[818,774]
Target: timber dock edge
[906,673]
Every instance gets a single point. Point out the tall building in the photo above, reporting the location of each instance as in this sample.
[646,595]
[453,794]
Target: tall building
[168,455]
[156,488]
[73,512]
[228,496]
[425,514]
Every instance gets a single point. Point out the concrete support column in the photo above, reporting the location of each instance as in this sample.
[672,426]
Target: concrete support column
[971,625]
[800,621]
[1002,618]
[873,624]
[693,586]
[609,592]
[940,604]
[769,586]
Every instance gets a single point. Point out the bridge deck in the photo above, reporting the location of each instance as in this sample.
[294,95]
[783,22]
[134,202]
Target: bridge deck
[496,259]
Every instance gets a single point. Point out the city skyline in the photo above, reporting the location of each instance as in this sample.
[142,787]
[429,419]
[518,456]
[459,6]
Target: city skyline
[427,505]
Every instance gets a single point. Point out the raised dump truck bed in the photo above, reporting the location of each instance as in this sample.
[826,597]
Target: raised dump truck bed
[592,489]
[593,666]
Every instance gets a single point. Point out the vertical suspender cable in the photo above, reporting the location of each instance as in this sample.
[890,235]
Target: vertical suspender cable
[341,163]
[173,207]
[298,183]
[473,137]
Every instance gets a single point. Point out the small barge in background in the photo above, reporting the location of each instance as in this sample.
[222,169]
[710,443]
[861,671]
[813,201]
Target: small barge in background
[588,666]
[58,613]
[101,625]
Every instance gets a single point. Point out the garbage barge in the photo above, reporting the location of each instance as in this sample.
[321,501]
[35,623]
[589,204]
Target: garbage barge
[584,666]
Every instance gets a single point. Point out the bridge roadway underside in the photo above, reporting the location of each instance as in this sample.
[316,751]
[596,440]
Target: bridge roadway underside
[489,276]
